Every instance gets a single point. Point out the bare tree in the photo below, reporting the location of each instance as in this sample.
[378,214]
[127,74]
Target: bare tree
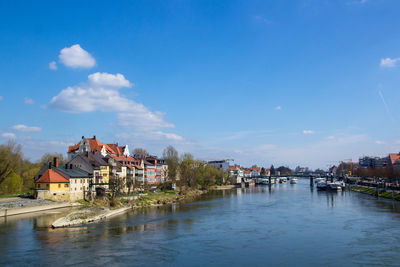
[48,157]
[140,153]
[116,185]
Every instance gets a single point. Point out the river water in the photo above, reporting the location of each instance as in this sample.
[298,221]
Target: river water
[290,225]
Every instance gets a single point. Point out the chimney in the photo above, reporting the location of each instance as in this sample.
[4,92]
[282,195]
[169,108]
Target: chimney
[55,162]
[49,165]
[83,137]
[70,166]
[94,137]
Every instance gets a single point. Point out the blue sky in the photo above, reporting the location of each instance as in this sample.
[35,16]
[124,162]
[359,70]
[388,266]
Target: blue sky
[306,82]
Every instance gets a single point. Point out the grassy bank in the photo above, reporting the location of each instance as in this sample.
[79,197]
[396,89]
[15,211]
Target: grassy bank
[371,191]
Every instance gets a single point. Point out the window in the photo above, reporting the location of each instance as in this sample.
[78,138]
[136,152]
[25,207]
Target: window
[66,185]
[38,186]
[59,185]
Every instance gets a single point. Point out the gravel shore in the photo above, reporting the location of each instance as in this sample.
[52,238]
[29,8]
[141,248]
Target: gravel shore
[16,202]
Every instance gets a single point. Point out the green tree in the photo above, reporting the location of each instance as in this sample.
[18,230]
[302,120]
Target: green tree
[13,183]
[171,156]
[188,170]
[11,160]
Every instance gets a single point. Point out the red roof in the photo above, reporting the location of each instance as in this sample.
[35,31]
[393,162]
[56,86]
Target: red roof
[394,158]
[51,176]
[256,169]
[96,145]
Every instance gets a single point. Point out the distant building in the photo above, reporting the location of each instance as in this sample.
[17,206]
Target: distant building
[236,172]
[220,164]
[255,171]
[374,162]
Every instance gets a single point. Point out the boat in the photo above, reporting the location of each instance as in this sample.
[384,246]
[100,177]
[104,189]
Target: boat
[321,186]
[334,186]
[264,181]
[293,181]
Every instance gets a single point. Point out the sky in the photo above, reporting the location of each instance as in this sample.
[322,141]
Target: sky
[299,82]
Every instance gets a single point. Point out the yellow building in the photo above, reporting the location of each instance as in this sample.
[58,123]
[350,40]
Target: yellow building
[52,185]
[62,183]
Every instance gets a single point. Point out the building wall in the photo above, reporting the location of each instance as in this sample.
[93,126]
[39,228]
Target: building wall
[53,187]
[79,185]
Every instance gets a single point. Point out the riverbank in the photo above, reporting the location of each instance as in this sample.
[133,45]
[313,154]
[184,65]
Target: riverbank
[4,212]
[372,191]
[98,210]
[224,187]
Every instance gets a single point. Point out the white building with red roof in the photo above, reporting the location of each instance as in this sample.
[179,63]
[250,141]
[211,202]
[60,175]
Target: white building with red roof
[94,145]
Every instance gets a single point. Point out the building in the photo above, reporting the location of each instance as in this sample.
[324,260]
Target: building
[236,172]
[62,183]
[374,162]
[94,145]
[94,163]
[220,164]
[255,171]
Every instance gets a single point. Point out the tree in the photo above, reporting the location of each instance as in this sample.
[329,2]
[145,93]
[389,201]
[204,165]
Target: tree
[272,170]
[11,160]
[140,153]
[188,170]
[13,183]
[263,172]
[284,170]
[116,185]
[48,157]
[170,155]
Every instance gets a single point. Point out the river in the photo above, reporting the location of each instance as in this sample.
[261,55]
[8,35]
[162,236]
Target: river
[286,224]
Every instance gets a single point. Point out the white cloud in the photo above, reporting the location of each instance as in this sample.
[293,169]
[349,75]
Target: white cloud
[89,98]
[144,119]
[308,132]
[379,142]
[389,62]
[170,136]
[29,101]
[24,128]
[53,65]
[76,57]
[278,108]
[331,137]
[109,80]
[9,135]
